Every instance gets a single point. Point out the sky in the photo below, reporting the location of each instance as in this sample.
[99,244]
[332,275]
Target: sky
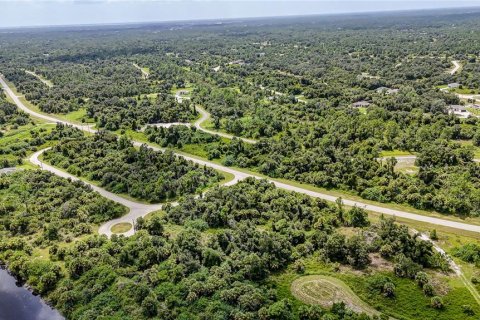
[18,13]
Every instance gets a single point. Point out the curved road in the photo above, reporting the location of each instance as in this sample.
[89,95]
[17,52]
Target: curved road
[136,209]
[241,175]
[457,66]
[205,116]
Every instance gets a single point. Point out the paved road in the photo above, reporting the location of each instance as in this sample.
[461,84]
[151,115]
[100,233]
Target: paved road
[136,209]
[205,116]
[241,175]
[455,69]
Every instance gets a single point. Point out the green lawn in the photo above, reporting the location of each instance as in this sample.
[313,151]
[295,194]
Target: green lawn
[325,290]
[409,302]
[121,227]
[395,153]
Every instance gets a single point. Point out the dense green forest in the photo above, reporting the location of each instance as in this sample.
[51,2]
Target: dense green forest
[119,167]
[10,115]
[40,210]
[289,83]
[448,180]
[204,259]
[20,135]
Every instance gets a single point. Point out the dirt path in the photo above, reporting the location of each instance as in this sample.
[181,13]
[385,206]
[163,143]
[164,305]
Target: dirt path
[46,82]
[475,97]
[145,74]
[455,267]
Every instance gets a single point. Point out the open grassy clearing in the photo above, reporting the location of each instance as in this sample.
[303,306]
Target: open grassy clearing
[395,153]
[74,116]
[18,137]
[448,238]
[476,150]
[121,227]
[326,290]
[409,302]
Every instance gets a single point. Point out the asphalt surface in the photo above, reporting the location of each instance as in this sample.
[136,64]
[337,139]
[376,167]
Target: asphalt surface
[204,116]
[238,175]
[455,69]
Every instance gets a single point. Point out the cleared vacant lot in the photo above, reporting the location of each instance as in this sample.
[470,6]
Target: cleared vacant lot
[325,290]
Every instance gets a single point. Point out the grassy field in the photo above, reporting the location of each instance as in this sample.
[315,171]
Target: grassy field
[409,302]
[395,153]
[325,290]
[77,116]
[476,150]
[19,136]
[121,227]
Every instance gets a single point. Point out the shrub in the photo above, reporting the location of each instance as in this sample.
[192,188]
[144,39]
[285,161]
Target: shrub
[421,278]
[428,289]
[388,289]
[467,309]
[436,302]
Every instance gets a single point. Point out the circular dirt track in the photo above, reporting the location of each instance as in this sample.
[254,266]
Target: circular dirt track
[325,290]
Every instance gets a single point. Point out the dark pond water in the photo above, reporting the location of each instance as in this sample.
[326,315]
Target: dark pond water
[18,303]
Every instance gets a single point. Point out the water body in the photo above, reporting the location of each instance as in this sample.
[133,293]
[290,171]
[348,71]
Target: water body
[18,303]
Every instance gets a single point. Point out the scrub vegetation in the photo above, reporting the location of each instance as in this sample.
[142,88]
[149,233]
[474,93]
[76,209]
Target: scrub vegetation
[324,101]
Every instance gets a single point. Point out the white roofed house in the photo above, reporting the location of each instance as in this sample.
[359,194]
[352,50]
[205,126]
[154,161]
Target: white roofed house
[459,110]
[454,85]
[387,90]
[361,104]
[392,91]
[382,89]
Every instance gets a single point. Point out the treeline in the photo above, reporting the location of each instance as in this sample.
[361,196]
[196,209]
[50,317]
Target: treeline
[134,112]
[216,262]
[13,151]
[121,168]
[106,105]
[45,208]
[10,115]
[341,150]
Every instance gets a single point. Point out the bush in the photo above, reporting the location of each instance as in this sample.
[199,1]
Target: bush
[421,278]
[388,289]
[467,309]
[405,267]
[436,302]
[428,289]
[299,266]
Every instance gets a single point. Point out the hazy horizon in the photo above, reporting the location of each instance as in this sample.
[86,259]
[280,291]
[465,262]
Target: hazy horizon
[30,13]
